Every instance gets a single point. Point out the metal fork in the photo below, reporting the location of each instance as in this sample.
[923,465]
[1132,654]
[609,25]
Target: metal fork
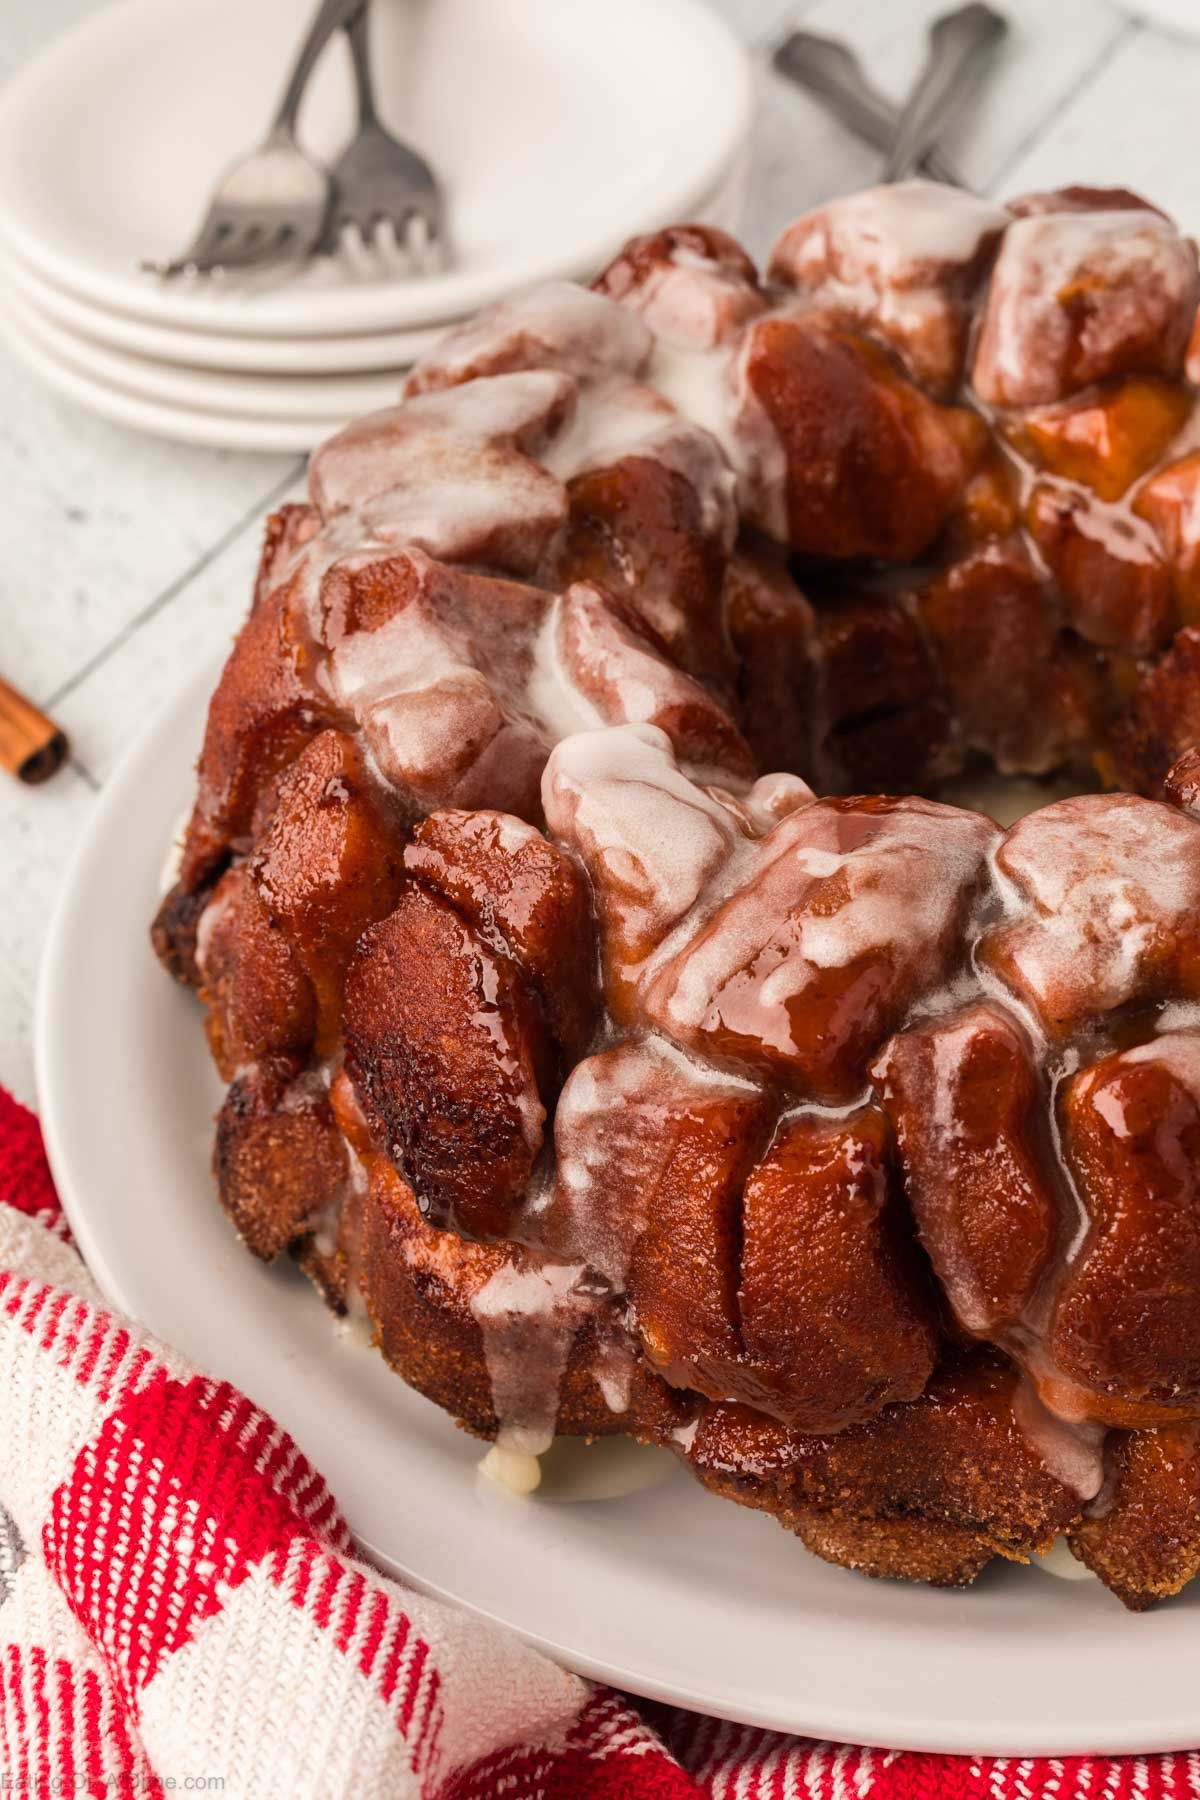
[272,205]
[380,186]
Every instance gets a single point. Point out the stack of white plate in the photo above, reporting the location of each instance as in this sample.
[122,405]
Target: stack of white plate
[558,130]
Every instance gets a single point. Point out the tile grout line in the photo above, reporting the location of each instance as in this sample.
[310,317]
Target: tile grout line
[173,588]
[1125,30]
[84,773]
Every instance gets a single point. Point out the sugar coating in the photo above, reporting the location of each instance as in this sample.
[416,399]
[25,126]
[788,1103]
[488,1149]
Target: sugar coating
[651,837]
[1052,263]
[619,418]
[1106,885]
[1178,1052]
[614,1114]
[895,257]
[556,325]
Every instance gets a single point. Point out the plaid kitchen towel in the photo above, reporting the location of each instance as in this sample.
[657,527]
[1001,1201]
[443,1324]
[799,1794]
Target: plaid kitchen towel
[182,1611]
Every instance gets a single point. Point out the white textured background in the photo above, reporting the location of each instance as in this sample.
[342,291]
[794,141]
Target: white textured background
[125,559]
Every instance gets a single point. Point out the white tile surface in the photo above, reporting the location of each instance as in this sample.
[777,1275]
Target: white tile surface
[126,560]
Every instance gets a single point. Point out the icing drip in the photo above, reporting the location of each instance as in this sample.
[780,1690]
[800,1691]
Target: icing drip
[528,1314]
[619,418]
[1073,1451]
[515,1470]
[1059,1561]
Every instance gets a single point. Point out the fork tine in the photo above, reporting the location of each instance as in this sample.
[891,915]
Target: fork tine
[200,255]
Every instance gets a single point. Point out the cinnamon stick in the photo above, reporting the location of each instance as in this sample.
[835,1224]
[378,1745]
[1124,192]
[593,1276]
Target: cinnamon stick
[32,747]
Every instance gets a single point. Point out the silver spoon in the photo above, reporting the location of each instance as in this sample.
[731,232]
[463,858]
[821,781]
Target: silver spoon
[831,72]
[961,45]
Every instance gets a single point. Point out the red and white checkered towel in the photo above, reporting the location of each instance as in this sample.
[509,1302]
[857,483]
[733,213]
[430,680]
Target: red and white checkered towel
[181,1609]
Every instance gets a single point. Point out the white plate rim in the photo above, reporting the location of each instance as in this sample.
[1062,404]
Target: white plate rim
[385,305]
[269,397]
[364,352]
[184,425]
[70,951]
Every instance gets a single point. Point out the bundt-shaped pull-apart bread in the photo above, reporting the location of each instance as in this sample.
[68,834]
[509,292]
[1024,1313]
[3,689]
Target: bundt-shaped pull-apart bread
[821,1130]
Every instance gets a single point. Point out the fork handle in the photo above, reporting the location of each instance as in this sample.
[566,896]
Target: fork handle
[358,30]
[961,45]
[829,71]
[331,15]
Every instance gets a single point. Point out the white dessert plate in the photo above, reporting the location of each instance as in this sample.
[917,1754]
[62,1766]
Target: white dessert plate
[267,397]
[133,391]
[367,351]
[558,131]
[667,1592]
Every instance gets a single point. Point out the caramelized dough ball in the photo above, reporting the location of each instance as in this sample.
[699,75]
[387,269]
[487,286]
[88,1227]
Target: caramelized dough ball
[1170,502]
[636,528]
[617,670]
[259,998]
[524,897]
[879,706]
[801,1298]
[989,618]
[1182,786]
[556,325]
[1162,717]
[833,1310]
[1123,1326]
[685,1263]
[1145,1543]
[448,1056]
[930,1490]
[964,1098]
[431,661]
[801,1295]
[327,866]
[650,838]
[1107,890]
[872,465]
[418,1284]
[478,442]
[838,926]
[1106,440]
[1111,576]
[692,284]
[642,1134]
[264,710]
[1078,297]
[817,924]
[772,628]
[904,260]
[279,1159]
[173,932]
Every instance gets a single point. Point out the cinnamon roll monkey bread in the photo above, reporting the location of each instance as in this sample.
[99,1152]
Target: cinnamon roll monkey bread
[610,1006]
